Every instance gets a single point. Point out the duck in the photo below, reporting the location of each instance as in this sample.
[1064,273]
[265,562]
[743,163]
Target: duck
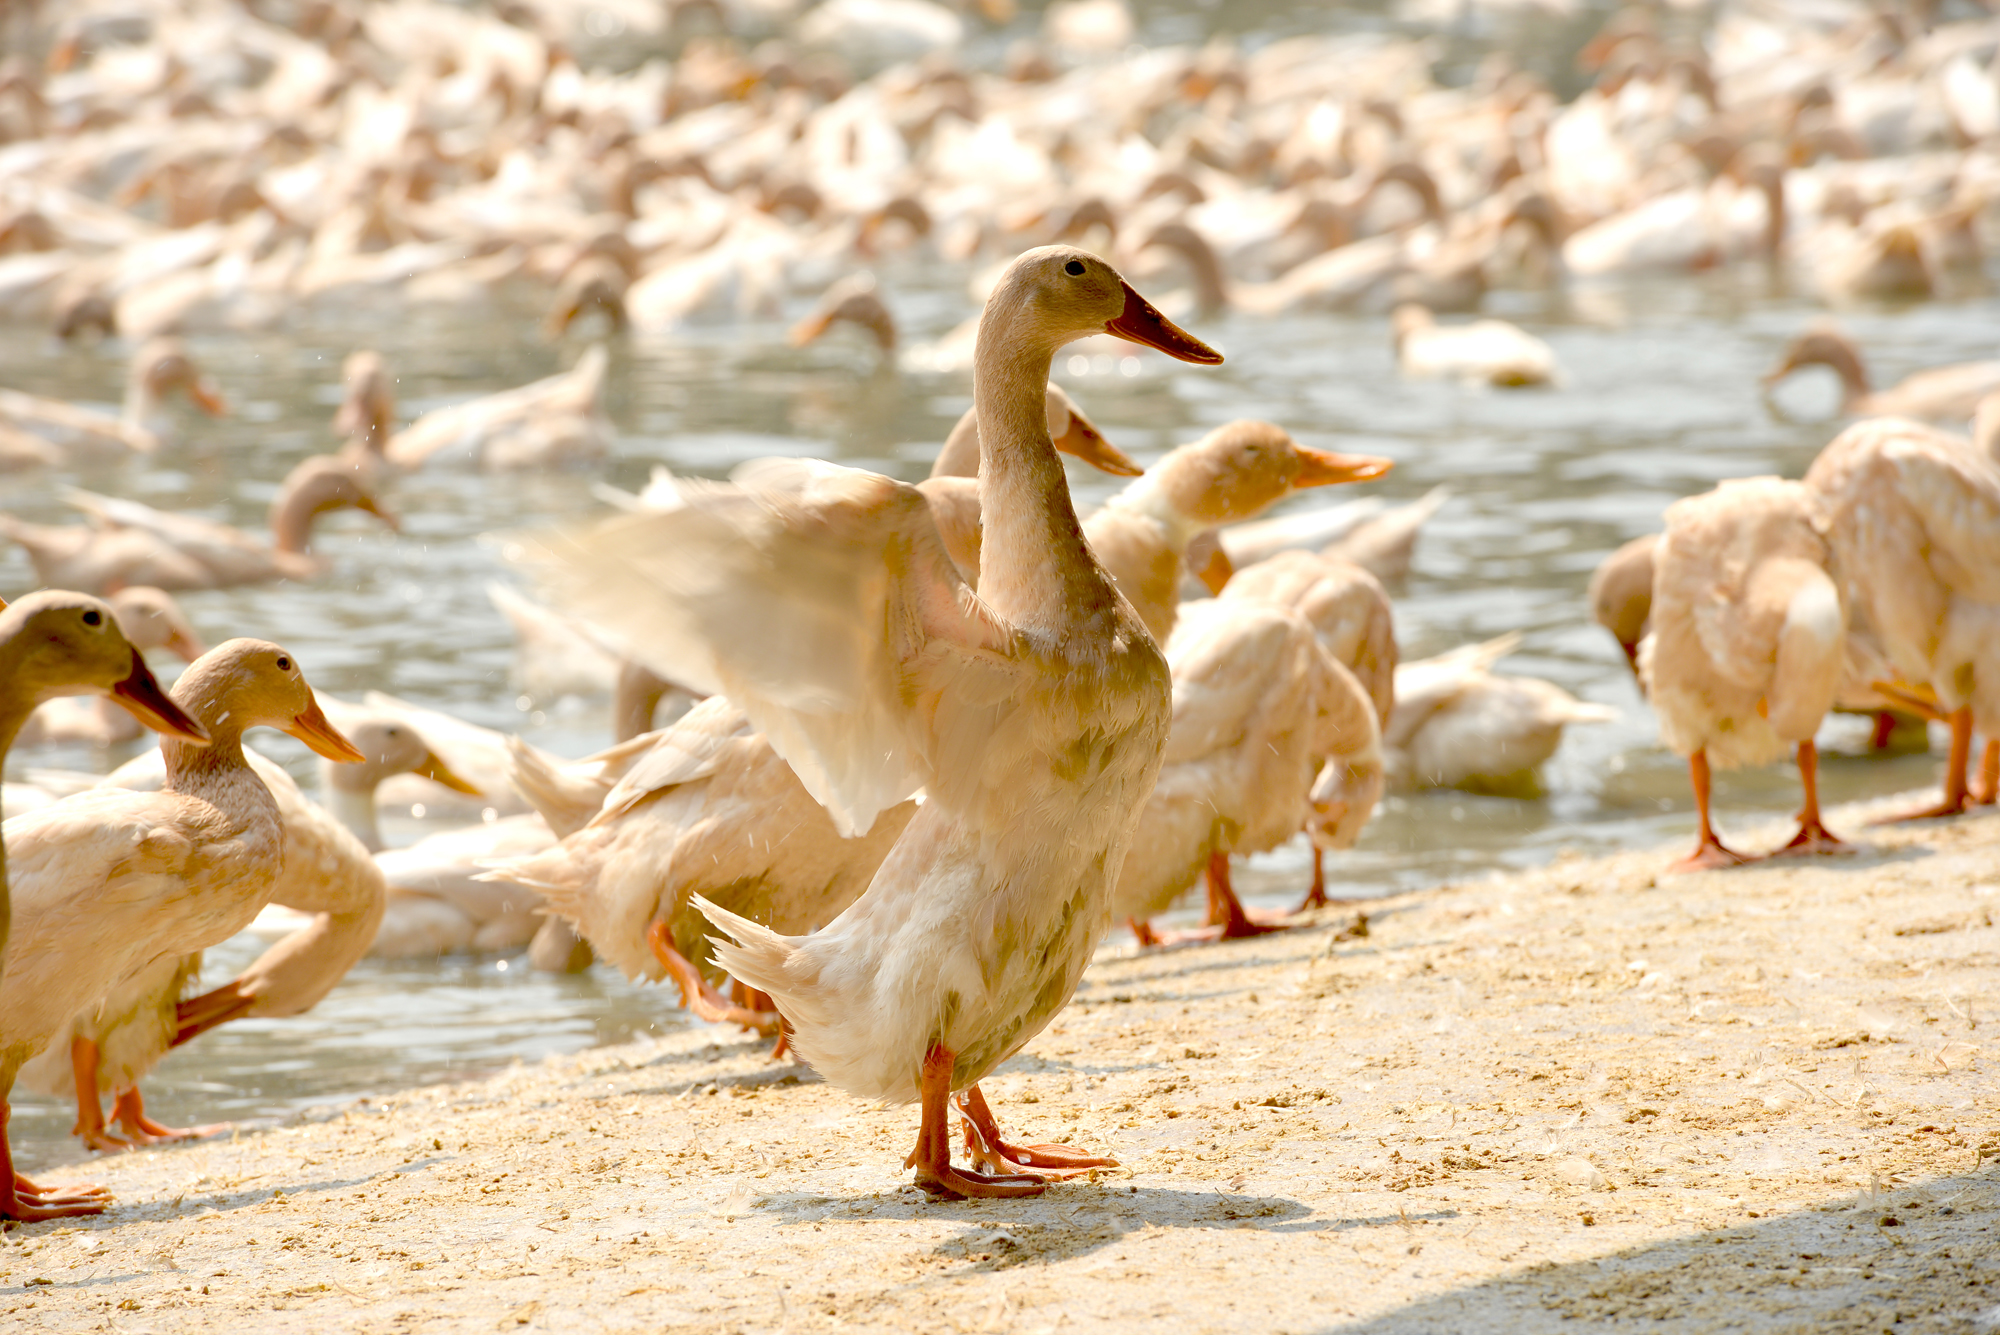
[980,899]
[333,896]
[1074,434]
[1268,731]
[852,300]
[150,619]
[1456,724]
[127,542]
[1487,352]
[158,367]
[1913,523]
[1747,644]
[162,873]
[1946,394]
[474,754]
[706,803]
[1621,595]
[1350,615]
[555,422]
[55,643]
[1373,534]
[1233,473]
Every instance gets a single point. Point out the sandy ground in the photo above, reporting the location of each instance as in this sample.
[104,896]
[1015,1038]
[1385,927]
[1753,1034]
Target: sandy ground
[1588,1097]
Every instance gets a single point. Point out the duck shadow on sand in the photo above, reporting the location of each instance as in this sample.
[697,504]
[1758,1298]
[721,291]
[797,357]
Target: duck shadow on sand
[1912,1259]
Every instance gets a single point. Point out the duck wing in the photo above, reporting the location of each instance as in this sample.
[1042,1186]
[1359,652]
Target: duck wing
[822,601]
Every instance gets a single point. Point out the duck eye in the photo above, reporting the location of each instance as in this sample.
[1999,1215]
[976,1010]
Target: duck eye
[1074,268]
[93,617]
[284,663]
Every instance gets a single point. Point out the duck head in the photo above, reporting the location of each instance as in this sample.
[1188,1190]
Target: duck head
[162,365]
[1057,294]
[60,643]
[244,684]
[317,486]
[1824,345]
[393,747]
[1077,436]
[1237,470]
[855,301]
[151,619]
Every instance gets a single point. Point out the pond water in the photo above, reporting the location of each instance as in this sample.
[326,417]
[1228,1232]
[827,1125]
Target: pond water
[1660,400]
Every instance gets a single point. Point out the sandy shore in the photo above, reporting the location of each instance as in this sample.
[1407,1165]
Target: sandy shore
[1585,1097]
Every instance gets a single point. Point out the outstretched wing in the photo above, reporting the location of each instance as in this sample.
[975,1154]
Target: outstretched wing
[821,600]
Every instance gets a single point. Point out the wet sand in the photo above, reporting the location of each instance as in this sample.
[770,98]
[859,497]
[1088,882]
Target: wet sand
[1589,1096]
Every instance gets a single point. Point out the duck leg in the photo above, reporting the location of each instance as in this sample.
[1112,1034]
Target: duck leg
[1956,792]
[128,1109]
[23,1200]
[1813,836]
[197,1015]
[90,1127]
[1225,910]
[1316,892]
[697,994]
[985,1146]
[1988,790]
[1709,851]
[1144,931]
[932,1156]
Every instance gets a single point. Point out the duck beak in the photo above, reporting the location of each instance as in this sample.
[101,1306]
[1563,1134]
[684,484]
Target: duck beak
[207,397]
[1140,323]
[143,699]
[1323,468]
[1216,569]
[437,771]
[810,328]
[311,727]
[369,505]
[1082,441]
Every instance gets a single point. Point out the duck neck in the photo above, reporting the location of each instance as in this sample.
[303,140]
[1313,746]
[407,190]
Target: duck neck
[352,807]
[1846,364]
[292,515]
[1034,567]
[198,770]
[1151,495]
[960,455]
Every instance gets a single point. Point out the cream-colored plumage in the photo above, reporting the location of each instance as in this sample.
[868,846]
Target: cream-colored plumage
[128,543]
[1260,708]
[1747,638]
[1945,394]
[553,422]
[1487,352]
[1346,606]
[150,619]
[1913,520]
[1621,594]
[1379,537]
[1038,705]
[108,882]
[1457,724]
[158,366]
[327,879]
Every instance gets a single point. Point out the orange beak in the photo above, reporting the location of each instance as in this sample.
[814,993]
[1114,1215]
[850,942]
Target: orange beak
[311,727]
[207,397]
[1216,570]
[1140,323]
[1323,468]
[810,328]
[1082,441]
[369,505]
[437,771]
[143,699]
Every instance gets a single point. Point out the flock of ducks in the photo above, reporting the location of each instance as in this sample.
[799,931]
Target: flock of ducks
[923,745]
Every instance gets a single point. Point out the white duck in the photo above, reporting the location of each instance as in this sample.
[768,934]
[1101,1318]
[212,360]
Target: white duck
[1487,352]
[1350,615]
[52,644]
[1913,520]
[158,367]
[1747,642]
[156,874]
[554,422]
[333,895]
[1269,734]
[1458,725]
[1945,394]
[1379,537]
[127,542]
[150,619]
[977,928]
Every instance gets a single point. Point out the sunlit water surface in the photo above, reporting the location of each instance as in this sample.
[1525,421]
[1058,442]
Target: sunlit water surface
[1660,400]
